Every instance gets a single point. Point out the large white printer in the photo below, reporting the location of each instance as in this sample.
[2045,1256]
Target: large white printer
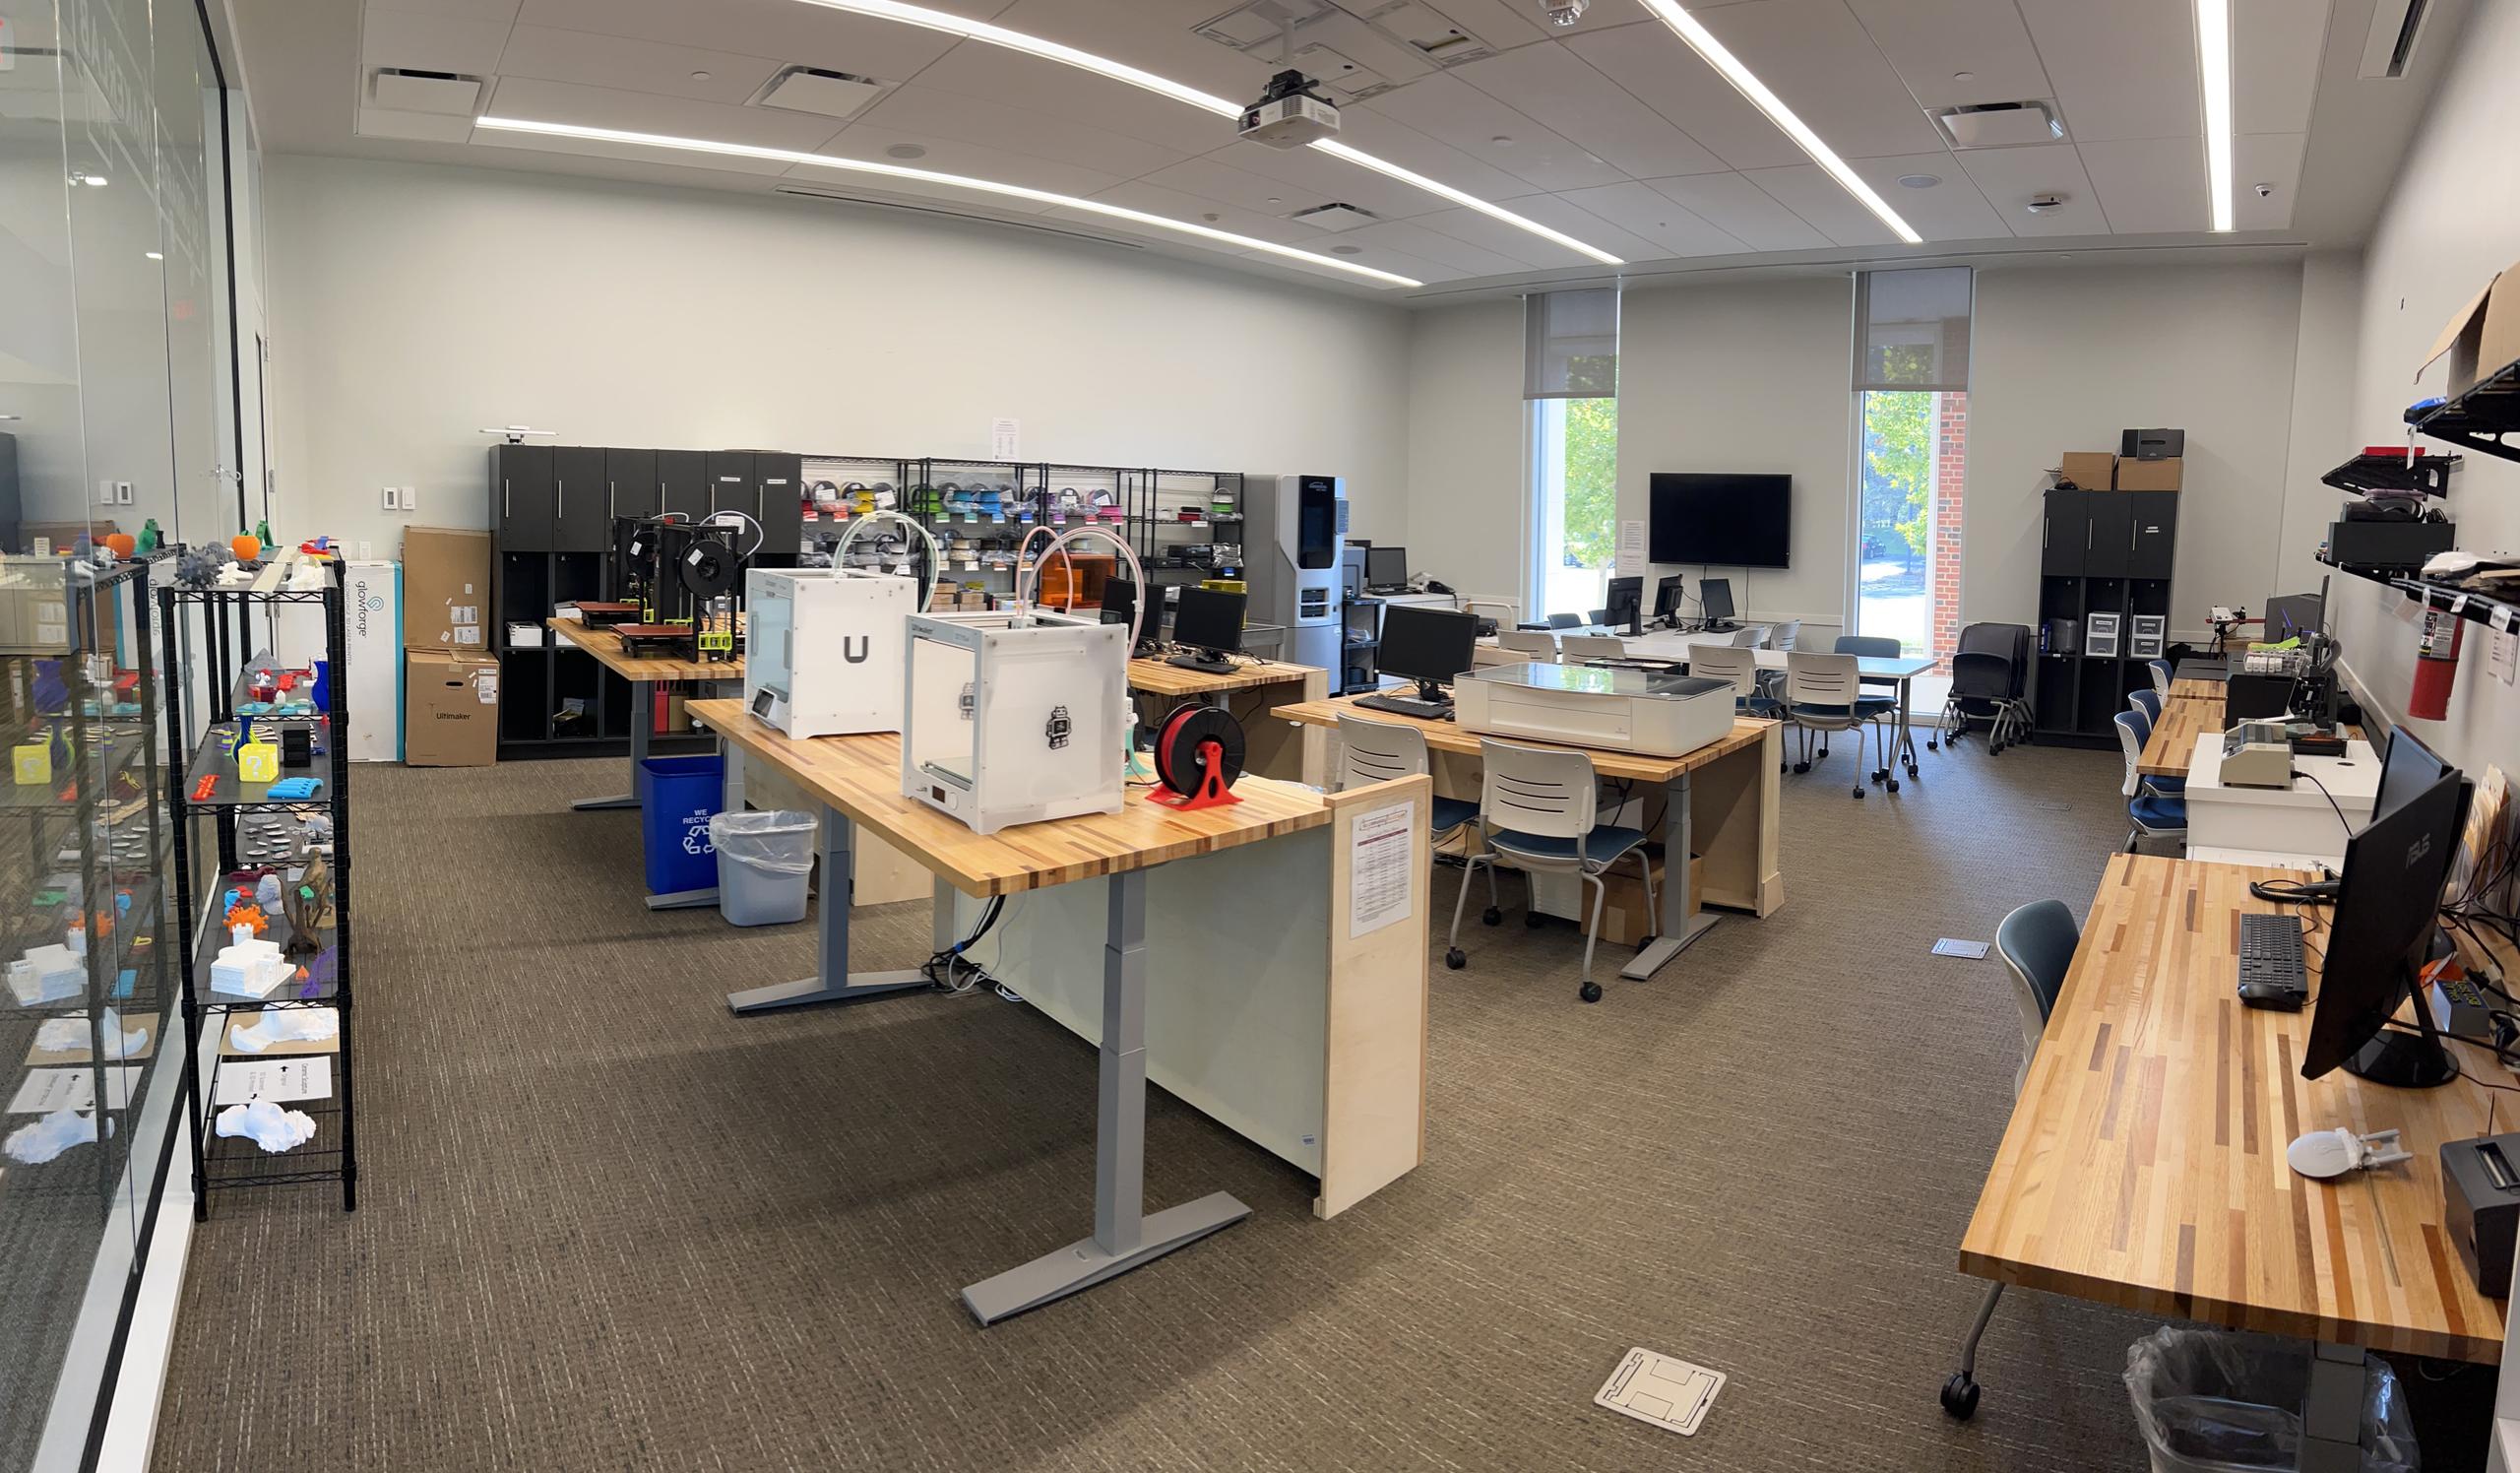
[1657,713]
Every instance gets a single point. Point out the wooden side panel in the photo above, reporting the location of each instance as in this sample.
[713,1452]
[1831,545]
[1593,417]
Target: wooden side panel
[1732,817]
[1375,1106]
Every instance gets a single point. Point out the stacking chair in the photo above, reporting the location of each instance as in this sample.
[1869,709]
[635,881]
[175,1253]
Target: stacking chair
[1541,645]
[1822,694]
[2166,786]
[2153,814]
[1537,808]
[1598,619]
[1748,637]
[1574,649]
[1566,622]
[2037,942]
[1989,677]
[2147,700]
[1877,701]
[2161,669]
[1787,635]
[1740,668]
[1376,751]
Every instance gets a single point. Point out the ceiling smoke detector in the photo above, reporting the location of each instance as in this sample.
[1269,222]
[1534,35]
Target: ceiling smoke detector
[1919,181]
[905,150]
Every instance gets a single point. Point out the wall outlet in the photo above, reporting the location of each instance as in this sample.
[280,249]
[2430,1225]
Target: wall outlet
[122,493]
[392,498]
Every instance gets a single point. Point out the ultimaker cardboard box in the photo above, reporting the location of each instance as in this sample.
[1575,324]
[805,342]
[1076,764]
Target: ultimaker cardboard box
[2090,470]
[372,633]
[446,589]
[2151,474]
[450,710]
[2484,337]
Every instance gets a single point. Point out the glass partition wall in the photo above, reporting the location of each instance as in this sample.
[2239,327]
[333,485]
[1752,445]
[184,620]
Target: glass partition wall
[113,365]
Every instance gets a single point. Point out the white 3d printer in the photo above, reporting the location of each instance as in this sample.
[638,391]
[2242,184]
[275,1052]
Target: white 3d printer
[824,648]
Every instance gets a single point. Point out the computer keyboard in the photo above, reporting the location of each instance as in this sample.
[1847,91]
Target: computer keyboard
[1403,705]
[2272,954]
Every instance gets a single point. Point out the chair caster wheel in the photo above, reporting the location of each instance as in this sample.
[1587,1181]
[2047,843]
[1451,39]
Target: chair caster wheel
[1960,1396]
[1455,960]
[1591,992]
[1534,919]
[1824,751]
[1933,747]
[1490,916]
[1801,767]
[1894,784]
[1858,793]
[1643,943]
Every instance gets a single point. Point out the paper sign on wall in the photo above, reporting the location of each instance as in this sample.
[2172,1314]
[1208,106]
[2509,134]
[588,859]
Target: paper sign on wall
[1631,550]
[1378,867]
[8,46]
[1003,435]
[2504,656]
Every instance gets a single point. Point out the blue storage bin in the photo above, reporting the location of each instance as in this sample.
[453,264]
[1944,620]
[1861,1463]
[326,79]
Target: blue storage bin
[678,796]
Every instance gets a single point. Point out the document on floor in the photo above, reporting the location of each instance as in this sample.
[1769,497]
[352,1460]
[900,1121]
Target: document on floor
[1671,1393]
[1378,868]
[305,1078]
[45,1091]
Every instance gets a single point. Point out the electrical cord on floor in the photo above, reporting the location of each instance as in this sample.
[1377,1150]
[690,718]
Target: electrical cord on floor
[947,969]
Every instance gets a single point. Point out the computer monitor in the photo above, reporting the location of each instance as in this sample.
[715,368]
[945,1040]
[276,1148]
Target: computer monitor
[1386,567]
[2386,909]
[1204,618]
[1430,646]
[1667,597]
[1626,604]
[2290,614]
[1120,600]
[2408,769]
[1715,600]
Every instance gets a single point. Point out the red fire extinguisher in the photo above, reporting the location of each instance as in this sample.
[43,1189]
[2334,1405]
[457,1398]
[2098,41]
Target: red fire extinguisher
[2436,666]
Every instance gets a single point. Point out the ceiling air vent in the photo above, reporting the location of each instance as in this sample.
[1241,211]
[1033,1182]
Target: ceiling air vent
[840,95]
[405,90]
[1335,217]
[2389,45]
[1999,125]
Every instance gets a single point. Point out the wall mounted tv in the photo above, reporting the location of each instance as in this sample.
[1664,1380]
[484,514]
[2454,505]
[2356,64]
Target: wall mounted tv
[1730,521]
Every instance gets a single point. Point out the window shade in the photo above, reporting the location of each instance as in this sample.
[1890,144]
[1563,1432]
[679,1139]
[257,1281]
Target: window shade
[1913,329]
[1570,345]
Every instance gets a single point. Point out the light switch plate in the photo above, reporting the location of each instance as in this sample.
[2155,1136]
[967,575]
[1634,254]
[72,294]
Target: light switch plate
[105,494]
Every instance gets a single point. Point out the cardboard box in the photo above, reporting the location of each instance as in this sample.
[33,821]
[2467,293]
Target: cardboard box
[2483,336]
[446,589]
[450,710]
[2092,470]
[372,649]
[1624,919]
[2149,474]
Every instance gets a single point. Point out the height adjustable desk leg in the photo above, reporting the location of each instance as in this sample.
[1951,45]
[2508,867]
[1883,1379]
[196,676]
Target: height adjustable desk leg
[832,981]
[640,719]
[2332,1411]
[1125,1236]
[1681,920]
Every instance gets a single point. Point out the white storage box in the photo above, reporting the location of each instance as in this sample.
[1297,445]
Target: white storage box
[1005,725]
[372,637]
[823,649]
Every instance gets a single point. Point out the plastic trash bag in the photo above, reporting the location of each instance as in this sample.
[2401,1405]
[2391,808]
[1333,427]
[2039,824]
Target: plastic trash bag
[780,841]
[2214,1401]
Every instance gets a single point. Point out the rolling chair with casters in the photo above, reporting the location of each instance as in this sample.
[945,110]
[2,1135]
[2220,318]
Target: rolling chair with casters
[1376,751]
[1879,698]
[2037,942]
[2166,786]
[2161,669]
[1822,695]
[1566,622]
[1598,619]
[1575,648]
[2153,813]
[1738,668]
[2147,700]
[1541,645]
[1537,808]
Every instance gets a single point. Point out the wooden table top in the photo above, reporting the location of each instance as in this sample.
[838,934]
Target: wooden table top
[1158,677]
[2173,744]
[2196,688]
[2144,1166]
[1448,736]
[605,647]
[861,777]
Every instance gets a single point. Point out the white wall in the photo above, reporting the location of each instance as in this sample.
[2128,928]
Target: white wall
[412,304]
[1467,507]
[2451,221]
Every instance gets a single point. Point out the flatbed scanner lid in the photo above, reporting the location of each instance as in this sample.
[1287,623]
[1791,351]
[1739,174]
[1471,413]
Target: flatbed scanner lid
[1592,680]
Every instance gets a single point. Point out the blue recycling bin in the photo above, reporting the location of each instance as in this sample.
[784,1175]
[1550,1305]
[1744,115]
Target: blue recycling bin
[678,796]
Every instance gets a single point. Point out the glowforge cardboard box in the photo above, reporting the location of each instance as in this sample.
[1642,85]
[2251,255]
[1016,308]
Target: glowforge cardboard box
[450,708]
[446,589]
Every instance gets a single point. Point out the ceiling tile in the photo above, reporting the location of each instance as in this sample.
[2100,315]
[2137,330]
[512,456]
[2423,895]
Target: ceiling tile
[1928,42]
[1395,141]
[1658,69]
[1952,210]
[2269,158]
[1560,91]
[1815,57]
[868,140]
[1505,24]
[1211,179]
[1556,213]
[1317,178]
[1191,208]
[993,74]
[2149,185]
[429,44]
[1741,209]
[424,127]
[1156,35]
[501,11]
[2275,63]
[1489,233]
[1449,108]
[1673,230]
[804,35]
[1434,246]
[646,112]
[2124,69]
[1807,190]
[633,65]
[2009,177]
[928,114]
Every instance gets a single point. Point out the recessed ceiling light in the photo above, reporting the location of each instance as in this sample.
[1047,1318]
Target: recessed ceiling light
[1050,50]
[1746,82]
[1964,76]
[154,255]
[932,176]
[1274,200]
[2214,69]
[1211,216]
[905,150]
[1347,250]
[1504,140]
[1919,181]
[700,76]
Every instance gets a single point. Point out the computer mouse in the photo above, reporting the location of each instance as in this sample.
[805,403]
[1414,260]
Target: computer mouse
[2273,994]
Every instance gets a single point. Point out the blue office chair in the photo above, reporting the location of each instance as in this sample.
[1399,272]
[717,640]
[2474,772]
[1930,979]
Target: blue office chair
[1538,807]
[2161,671]
[2149,701]
[1376,751]
[2155,815]
[1566,622]
[1877,701]
[2144,736]
[2037,944]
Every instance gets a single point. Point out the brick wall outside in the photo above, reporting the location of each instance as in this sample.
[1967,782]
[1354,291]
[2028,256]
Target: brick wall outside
[1951,439]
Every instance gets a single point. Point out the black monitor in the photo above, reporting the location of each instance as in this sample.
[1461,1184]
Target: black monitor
[1626,604]
[1728,520]
[2292,614]
[1205,620]
[1386,567]
[1667,597]
[1430,646]
[2386,909]
[2408,769]
[1120,600]
[1715,600]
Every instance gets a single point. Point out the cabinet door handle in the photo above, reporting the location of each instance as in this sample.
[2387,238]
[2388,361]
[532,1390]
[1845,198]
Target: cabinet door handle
[2045,529]
[611,501]
[559,500]
[507,500]
[2088,532]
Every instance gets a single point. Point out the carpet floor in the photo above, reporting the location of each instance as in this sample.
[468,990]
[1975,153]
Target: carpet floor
[603,1224]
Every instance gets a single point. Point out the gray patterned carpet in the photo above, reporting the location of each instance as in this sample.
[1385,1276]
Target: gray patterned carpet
[605,1225]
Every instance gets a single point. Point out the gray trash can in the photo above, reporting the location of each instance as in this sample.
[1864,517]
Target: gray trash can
[2214,1401]
[764,861]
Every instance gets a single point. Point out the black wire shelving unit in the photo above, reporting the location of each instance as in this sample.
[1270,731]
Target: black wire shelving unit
[227,625]
[2394,473]
[2478,418]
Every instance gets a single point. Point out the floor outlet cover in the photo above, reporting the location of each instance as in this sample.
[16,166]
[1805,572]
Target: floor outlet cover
[1670,1393]
[1975,951]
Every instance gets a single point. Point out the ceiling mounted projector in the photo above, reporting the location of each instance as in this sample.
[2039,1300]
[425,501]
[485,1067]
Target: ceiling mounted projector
[1564,11]
[1289,114]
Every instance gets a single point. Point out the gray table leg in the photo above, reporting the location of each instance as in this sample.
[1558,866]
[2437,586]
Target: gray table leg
[2332,1411]
[832,980]
[732,800]
[1125,1236]
[1681,921]
[641,717]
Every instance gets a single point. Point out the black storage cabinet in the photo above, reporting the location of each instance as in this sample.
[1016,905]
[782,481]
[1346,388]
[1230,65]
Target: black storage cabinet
[2100,552]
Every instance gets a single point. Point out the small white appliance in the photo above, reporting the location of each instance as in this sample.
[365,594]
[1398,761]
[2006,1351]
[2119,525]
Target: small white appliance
[1623,710]
[1007,722]
[823,649]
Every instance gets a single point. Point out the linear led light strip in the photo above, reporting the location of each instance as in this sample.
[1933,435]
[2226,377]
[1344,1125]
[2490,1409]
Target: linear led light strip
[1050,50]
[1746,83]
[959,181]
[2214,67]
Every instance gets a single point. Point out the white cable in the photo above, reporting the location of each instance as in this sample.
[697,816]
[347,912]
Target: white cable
[759,536]
[1058,544]
[935,559]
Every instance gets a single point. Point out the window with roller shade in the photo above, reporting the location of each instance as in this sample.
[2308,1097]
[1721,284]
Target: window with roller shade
[1911,380]
[1571,388]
